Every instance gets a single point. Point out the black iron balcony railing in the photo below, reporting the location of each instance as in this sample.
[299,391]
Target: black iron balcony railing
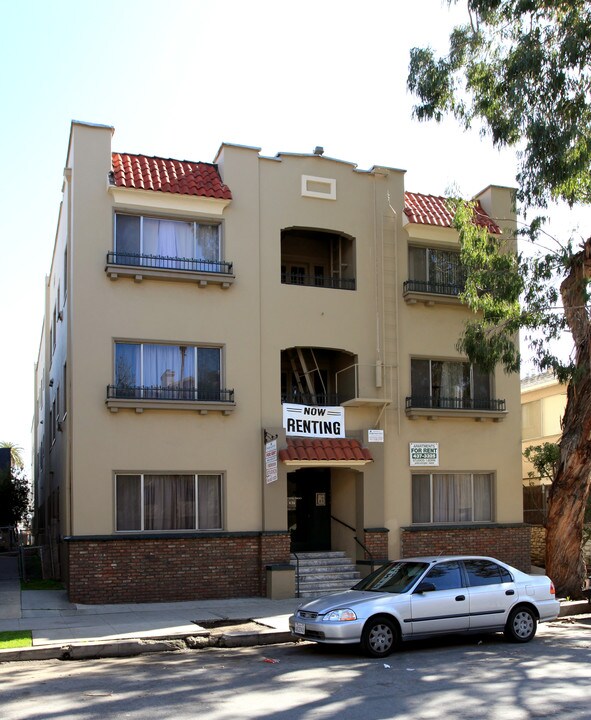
[448,403]
[136,392]
[436,288]
[335,283]
[322,399]
[165,262]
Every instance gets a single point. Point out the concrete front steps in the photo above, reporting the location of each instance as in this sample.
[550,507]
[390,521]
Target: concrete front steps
[321,573]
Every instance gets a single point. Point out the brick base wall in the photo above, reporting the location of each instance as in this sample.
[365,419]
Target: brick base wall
[509,543]
[376,541]
[126,570]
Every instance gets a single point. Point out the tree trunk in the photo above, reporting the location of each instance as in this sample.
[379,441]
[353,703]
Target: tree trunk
[572,481]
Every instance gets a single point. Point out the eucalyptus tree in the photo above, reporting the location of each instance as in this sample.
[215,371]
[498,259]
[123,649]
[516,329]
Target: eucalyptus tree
[519,70]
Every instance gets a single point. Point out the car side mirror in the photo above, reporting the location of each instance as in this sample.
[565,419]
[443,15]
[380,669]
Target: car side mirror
[425,587]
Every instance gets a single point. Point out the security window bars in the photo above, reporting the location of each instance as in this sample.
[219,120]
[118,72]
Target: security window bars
[168,372]
[169,244]
[452,498]
[435,271]
[150,502]
[449,384]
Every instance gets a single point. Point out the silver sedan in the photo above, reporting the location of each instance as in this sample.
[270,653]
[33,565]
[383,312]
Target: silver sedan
[425,596]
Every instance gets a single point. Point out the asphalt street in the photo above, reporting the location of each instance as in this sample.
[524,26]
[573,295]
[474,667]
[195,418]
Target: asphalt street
[461,678]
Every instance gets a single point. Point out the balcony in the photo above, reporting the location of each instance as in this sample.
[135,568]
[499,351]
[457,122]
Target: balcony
[306,398]
[433,407]
[317,258]
[169,398]
[335,283]
[431,293]
[162,267]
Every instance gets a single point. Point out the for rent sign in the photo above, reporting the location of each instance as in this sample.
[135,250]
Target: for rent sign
[425,453]
[314,421]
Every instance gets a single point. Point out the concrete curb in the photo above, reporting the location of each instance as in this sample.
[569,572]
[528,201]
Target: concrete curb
[93,649]
[219,638]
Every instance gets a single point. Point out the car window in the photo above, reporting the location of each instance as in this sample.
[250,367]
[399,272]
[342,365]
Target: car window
[393,578]
[445,575]
[485,572]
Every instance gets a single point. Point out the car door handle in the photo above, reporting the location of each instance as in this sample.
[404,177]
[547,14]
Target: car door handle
[509,592]
[460,598]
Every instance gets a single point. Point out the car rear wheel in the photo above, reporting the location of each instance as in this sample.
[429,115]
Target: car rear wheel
[521,625]
[379,637]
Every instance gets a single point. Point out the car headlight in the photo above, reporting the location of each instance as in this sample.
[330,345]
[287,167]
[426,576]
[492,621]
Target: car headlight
[340,615]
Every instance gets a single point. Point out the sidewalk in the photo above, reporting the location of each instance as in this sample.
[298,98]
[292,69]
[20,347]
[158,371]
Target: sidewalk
[62,629]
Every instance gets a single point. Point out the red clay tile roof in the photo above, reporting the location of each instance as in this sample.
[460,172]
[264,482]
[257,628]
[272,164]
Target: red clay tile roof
[314,450]
[434,210]
[174,176]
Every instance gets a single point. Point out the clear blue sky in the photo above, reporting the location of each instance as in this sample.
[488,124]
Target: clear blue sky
[177,79]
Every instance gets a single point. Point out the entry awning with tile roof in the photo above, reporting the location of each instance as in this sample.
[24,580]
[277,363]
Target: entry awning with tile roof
[310,452]
[181,177]
[434,210]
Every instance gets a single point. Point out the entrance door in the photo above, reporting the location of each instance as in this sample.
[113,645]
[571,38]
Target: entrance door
[309,509]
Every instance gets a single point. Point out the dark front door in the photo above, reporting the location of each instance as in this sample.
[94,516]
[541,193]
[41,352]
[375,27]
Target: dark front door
[309,509]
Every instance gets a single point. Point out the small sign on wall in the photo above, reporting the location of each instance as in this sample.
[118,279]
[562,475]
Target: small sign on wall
[271,461]
[375,436]
[425,454]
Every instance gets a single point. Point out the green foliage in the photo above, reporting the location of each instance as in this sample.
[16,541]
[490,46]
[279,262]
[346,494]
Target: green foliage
[16,453]
[509,293]
[543,458]
[521,71]
[14,497]
[15,639]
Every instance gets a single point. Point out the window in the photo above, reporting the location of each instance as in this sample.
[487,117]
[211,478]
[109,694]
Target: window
[484,572]
[168,372]
[435,271]
[168,502]
[449,384]
[445,576]
[65,273]
[172,244]
[65,384]
[452,498]
[52,330]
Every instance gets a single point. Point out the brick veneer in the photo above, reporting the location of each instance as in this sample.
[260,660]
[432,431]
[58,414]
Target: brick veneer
[158,569]
[376,541]
[510,543]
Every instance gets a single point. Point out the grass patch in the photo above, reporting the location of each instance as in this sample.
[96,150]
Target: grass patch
[41,585]
[15,639]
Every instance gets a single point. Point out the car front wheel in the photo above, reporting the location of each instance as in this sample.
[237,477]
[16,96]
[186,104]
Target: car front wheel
[521,625]
[379,637]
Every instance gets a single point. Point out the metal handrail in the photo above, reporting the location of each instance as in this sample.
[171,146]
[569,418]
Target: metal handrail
[357,540]
[336,283]
[152,392]
[168,262]
[436,288]
[450,403]
[297,573]
[312,398]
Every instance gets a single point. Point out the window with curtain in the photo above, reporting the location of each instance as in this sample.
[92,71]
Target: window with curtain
[159,242]
[452,497]
[168,372]
[449,384]
[154,503]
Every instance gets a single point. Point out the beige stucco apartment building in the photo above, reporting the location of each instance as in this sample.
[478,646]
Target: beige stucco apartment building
[255,357]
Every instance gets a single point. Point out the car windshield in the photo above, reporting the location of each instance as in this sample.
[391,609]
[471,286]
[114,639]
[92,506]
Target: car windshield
[396,577]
